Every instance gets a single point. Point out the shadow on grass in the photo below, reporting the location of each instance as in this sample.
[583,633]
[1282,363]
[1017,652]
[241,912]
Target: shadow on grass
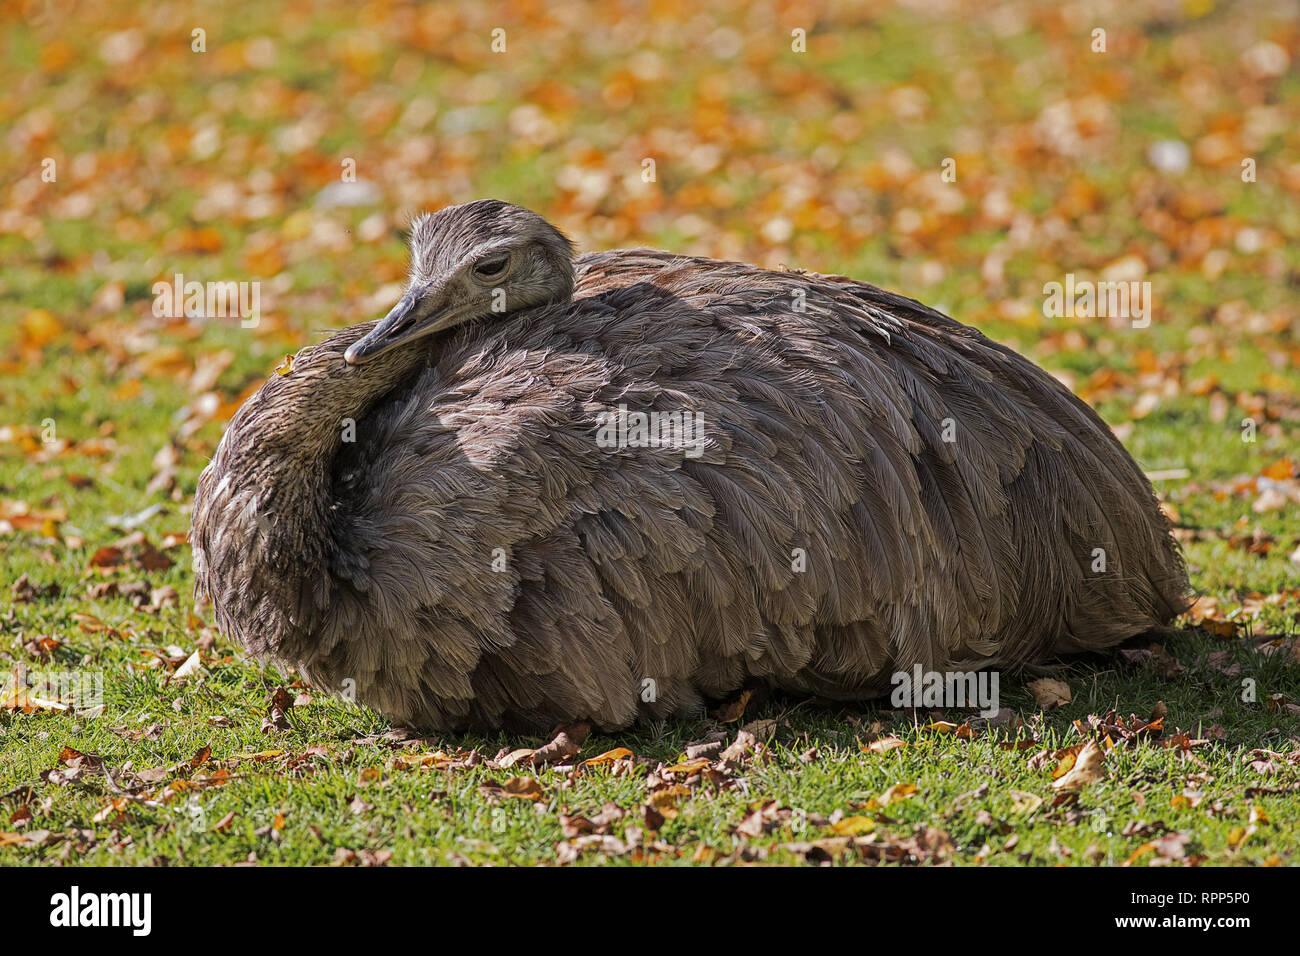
[1232,693]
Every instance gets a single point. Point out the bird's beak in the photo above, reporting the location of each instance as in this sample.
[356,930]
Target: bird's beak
[405,321]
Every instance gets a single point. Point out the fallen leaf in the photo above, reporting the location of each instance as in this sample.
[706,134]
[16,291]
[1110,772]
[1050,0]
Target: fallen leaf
[1085,770]
[899,791]
[853,826]
[1024,802]
[566,743]
[524,788]
[743,744]
[884,745]
[608,757]
[734,709]
[191,668]
[1049,693]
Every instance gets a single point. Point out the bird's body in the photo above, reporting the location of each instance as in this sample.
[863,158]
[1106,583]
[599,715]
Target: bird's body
[872,486]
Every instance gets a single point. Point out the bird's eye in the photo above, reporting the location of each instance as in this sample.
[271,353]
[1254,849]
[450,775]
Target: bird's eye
[493,268]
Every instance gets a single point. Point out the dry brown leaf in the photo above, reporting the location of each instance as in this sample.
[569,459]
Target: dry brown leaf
[566,743]
[1086,768]
[523,788]
[512,758]
[277,717]
[734,709]
[883,745]
[689,766]
[742,745]
[1049,693]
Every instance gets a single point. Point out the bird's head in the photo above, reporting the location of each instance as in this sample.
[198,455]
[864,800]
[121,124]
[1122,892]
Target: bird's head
[479,260]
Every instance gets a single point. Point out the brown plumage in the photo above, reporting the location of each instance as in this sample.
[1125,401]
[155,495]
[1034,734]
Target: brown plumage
[430,522]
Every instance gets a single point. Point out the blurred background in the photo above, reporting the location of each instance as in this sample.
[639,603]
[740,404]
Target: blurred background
[219,140]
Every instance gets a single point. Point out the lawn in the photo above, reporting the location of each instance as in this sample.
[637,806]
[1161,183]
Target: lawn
[131,155]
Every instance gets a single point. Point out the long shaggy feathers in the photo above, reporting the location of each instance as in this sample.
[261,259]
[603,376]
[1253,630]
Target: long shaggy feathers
[879,487]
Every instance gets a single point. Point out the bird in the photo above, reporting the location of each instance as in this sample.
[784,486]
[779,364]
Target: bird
[624,485]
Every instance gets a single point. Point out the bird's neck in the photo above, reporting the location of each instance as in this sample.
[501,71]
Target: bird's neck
[326,412]
[266,521]
[330,401]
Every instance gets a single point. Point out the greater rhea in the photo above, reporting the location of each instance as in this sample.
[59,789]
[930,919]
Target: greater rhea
[459,514]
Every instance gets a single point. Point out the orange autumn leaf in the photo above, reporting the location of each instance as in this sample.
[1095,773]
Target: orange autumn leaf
[608,757]
[689,766]
[1280,470]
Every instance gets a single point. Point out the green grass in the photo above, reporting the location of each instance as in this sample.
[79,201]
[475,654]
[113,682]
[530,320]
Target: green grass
[336,793]
[300,805]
